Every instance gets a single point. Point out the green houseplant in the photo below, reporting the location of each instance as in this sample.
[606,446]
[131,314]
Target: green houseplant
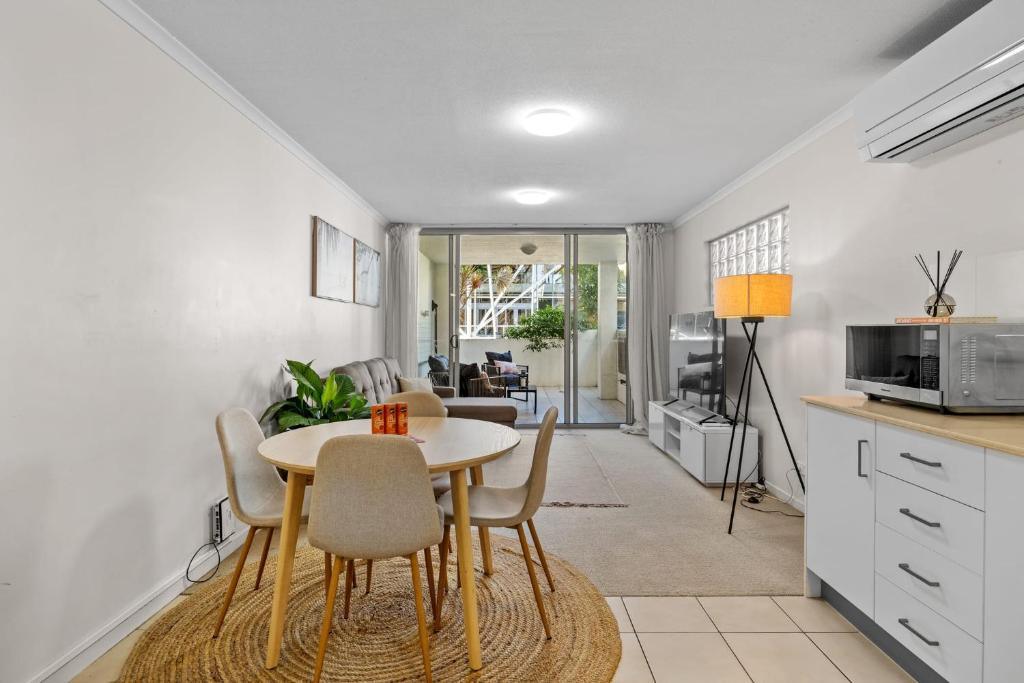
[317,401]
[542,330]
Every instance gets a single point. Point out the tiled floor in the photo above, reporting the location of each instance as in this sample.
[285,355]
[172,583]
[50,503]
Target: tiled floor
[592,408]
[707,640]
[762,639]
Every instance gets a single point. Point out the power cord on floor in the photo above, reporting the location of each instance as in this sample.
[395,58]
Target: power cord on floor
[212,573]
[754,494]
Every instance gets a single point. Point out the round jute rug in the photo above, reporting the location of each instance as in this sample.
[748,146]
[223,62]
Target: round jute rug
[379,641]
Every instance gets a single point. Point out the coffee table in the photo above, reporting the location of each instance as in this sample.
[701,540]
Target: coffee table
[527,390]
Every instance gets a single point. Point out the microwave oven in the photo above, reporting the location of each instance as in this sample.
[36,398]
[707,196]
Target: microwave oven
[967,368]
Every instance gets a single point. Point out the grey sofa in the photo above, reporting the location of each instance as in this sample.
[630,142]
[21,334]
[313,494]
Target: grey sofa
[377,379]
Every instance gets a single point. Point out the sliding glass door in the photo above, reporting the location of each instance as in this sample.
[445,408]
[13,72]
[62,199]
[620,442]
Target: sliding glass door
[534,316]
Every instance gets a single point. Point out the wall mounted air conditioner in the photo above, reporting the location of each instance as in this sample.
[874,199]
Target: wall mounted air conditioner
[965,82]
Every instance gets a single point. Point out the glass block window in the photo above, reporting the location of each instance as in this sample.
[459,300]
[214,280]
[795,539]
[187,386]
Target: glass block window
[759,247]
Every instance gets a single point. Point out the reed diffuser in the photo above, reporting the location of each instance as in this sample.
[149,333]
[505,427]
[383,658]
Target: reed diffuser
[939,304]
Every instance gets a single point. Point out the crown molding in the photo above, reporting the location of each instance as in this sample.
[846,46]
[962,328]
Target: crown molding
[791,148]
[152,31]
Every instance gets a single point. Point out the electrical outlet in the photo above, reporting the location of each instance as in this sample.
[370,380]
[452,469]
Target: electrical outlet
[222,521]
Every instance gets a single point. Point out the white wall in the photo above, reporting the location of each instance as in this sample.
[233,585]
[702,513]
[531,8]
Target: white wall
[855,229]
[155,270]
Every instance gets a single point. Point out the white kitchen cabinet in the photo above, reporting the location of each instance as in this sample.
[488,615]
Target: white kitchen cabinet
[945,509]
[1004,567]
[840,526]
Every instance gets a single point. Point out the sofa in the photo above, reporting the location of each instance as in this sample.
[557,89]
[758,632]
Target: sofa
[377,379]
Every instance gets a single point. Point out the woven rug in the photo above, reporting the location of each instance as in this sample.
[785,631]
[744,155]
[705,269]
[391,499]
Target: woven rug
[379,641]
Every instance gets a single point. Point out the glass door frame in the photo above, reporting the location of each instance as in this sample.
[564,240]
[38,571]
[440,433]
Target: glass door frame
[569,414]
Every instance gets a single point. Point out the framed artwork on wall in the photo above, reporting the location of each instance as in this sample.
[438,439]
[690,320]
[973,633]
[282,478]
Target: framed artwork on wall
[368,275]
[333,262]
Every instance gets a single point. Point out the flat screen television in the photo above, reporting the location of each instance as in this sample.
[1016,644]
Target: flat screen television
[697,359]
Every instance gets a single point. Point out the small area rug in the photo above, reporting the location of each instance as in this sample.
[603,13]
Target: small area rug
[379,641]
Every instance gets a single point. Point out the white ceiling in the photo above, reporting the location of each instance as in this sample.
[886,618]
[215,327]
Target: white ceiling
[415,104]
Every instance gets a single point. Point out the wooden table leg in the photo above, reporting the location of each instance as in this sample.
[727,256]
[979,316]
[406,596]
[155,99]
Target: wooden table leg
[476,475]
[294,493]
[463,536]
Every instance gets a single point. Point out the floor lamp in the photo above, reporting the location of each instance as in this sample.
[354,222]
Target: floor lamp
[751,299]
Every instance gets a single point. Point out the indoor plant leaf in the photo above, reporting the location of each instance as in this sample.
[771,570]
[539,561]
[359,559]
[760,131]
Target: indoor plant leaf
[274,409]
[306,376]
[330,392]
[288,420]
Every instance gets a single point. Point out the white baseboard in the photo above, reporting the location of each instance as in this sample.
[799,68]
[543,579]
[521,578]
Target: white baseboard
[95,645]
[782,493]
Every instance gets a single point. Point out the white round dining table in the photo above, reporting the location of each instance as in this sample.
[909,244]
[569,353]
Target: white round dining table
[449,444]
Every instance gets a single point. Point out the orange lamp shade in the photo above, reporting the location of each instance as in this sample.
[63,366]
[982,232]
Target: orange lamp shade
[765,295]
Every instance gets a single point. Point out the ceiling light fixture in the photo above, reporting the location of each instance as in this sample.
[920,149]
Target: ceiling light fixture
[532,197]
[549,122]
[528,248]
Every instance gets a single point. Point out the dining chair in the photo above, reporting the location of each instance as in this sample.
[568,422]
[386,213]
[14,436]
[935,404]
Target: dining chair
[421,404]
[493,506]
[372,500]
[255,491]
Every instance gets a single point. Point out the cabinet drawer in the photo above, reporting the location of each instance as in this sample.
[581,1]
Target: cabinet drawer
[954,654]
[916,570]
[960,534]
[951,468]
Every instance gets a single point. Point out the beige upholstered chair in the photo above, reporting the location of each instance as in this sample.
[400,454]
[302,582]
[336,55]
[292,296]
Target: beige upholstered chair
[421,403]
[254,488]
[492,506]
[372,500]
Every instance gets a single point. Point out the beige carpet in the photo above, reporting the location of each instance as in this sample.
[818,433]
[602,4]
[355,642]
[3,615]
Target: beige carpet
[670,539]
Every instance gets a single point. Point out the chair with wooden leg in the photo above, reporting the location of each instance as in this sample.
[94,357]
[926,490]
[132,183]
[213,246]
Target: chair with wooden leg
[372,500]
[255,491]
[421,404]
[492,506]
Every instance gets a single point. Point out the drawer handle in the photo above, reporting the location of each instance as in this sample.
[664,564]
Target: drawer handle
[906,567]
[905,623]
[929,463]
[908,513]
[860,457]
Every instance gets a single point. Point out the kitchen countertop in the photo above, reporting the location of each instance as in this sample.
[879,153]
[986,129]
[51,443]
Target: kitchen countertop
[1003,433]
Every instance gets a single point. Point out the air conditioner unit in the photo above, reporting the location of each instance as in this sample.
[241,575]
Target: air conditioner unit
[965,82]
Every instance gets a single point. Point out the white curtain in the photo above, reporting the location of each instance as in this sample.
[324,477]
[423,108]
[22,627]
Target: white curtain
[647,328]
[403,248]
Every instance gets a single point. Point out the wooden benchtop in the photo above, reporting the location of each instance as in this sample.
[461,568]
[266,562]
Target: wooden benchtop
[999,432]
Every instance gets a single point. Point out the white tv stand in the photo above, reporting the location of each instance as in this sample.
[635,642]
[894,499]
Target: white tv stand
[700,448]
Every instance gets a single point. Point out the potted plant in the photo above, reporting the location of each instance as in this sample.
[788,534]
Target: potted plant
[317,401]
[542,330]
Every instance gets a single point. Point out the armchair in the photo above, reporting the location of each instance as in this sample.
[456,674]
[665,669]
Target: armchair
[520,378]
[481,387]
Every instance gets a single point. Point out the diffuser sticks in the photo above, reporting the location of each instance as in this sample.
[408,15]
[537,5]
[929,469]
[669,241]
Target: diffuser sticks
[938,285]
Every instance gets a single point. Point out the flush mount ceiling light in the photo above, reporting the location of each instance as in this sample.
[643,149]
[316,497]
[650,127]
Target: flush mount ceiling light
[549,122]
[532,197]
[528,248]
